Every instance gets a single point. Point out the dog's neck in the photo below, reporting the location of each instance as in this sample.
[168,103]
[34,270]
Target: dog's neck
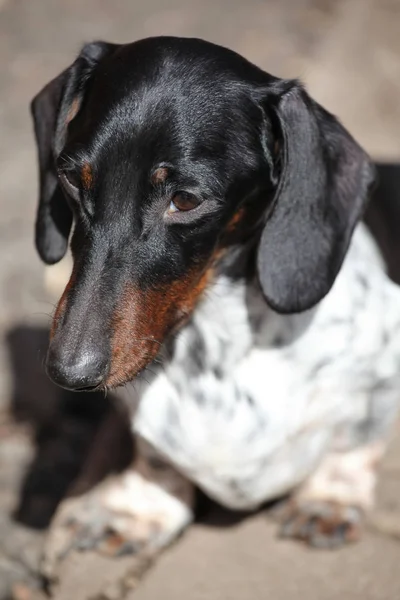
[232,317]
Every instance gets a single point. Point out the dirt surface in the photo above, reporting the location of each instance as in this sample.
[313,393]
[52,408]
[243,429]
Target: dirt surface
[348,54]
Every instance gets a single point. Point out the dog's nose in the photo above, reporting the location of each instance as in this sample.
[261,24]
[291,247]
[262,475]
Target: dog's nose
[82,371]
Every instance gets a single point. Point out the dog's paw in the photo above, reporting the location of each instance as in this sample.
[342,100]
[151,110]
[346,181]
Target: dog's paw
[126,515]
[320,524]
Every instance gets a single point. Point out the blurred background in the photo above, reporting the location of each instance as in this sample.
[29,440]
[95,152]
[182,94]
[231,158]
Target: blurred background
[348,54]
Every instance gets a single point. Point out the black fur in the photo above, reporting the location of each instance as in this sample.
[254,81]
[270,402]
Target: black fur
[229,133]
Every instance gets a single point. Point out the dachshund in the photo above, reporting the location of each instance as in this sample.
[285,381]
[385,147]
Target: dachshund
[220,263]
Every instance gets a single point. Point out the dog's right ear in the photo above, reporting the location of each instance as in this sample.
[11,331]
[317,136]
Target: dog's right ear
[53,109]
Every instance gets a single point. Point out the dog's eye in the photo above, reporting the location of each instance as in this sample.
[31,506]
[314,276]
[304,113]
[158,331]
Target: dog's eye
[183,201]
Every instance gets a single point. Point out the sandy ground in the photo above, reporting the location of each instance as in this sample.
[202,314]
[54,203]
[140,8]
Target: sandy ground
[348,53]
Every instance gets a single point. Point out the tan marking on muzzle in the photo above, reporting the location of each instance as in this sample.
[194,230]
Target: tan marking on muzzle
[143,318]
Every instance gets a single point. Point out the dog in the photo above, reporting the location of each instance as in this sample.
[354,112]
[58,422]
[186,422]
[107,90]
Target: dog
[219,262]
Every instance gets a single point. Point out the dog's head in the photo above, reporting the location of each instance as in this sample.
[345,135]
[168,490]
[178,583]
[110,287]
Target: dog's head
[164,154]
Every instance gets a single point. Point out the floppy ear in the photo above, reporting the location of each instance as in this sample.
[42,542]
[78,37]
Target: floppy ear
[52,110]
[323,187]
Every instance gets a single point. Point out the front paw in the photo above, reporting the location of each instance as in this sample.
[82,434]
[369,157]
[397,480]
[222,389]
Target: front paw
[321,524]
[127,515]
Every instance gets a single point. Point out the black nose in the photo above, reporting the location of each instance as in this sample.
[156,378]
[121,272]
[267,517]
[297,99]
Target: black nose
[82,371]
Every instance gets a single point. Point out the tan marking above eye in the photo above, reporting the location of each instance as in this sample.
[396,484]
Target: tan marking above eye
[73,110]
[87,176]
[159,175]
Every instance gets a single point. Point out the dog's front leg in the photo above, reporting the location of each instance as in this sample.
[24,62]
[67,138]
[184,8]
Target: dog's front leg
[141,510]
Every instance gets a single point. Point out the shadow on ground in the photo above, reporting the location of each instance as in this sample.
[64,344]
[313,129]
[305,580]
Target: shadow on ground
[77,437]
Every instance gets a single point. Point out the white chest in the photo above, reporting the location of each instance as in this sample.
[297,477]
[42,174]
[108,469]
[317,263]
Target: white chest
[251,399]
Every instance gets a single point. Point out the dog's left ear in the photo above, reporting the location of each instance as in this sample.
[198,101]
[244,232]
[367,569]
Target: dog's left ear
[52,109]
[324,183]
